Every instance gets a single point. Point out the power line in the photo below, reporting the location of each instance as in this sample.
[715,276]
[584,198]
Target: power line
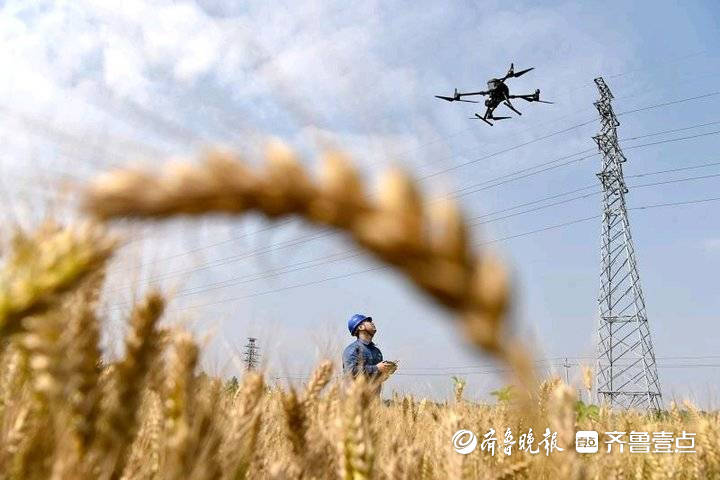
[349,254]
[665,104]
[328,233]
[589,84]
[577,160]
[671,170]
[659,63]
[673,130]
[532,128]
[675,204]
[316,262]
[550,197]
[499,152]
[355,253]
[507,370]
[313,237]
[557,359]
[242,256]
[594,119]
[504,151]
[542,207]
[585,219]
[511,174]
[382,267]
[544,229]
[666,182]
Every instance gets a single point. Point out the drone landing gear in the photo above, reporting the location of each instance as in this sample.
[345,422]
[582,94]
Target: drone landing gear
[509,105]
[483,119]
[486,120]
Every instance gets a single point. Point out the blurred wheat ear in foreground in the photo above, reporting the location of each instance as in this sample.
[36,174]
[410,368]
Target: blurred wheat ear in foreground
[430,246]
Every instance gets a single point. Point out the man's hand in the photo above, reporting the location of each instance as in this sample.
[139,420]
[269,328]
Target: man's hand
[386,368]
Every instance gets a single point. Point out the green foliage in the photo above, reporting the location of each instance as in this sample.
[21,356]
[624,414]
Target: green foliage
[232,385]
[458,381]
[586,411]
[504,394]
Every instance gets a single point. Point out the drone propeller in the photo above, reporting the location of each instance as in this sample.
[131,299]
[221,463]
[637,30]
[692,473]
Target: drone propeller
[522,72]
[545,101]
[498,118]
[513,74]
[454,99]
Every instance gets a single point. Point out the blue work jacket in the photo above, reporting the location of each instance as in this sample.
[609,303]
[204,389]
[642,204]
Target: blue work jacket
[360,356]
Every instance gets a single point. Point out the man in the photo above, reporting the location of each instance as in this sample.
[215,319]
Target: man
[363,356]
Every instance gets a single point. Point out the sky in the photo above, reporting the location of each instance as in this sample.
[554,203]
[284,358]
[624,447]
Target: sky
[86,87]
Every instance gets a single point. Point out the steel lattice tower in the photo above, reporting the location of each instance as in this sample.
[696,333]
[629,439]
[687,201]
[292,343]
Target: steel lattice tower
[626,370]
[251,354]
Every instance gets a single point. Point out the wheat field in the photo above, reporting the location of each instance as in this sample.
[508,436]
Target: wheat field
[66,412]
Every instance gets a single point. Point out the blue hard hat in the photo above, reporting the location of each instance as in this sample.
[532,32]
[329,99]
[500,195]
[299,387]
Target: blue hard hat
[356,320]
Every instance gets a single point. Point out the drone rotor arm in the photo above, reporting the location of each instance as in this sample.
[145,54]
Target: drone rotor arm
[467,94]
[531,97]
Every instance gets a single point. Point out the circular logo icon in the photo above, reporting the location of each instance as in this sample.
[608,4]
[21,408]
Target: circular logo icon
[464,441]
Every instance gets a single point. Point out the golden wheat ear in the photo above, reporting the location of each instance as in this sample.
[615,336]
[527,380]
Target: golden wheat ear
[46,264]
[356,446]
[319,380]
[430,248]
[118,420]
[47,290]
[240,443]
[178,405]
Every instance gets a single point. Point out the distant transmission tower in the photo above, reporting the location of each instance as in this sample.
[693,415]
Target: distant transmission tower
[626,370]
[251,354]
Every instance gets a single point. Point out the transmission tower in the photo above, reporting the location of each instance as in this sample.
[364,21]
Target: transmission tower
[626,370]
[251,354]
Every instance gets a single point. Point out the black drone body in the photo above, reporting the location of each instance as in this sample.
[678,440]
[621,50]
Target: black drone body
[497,93]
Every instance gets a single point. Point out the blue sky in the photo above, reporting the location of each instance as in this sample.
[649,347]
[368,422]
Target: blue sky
[87,87]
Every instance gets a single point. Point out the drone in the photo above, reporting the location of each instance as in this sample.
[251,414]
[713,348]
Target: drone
[497,92]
